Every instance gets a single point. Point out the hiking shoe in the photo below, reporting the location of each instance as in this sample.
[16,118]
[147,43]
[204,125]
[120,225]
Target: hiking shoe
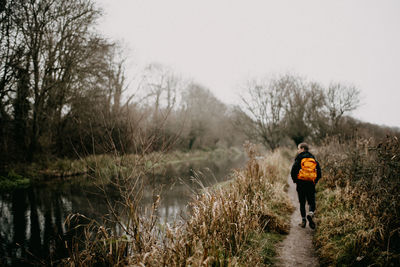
[311,223]
[303,223]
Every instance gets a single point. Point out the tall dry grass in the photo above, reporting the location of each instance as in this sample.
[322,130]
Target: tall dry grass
[222,228]
[359,203]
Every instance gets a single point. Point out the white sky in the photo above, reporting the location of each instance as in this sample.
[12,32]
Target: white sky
[221,43]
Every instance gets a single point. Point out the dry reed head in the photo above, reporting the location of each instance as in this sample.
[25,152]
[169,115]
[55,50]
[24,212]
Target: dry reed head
[219,228]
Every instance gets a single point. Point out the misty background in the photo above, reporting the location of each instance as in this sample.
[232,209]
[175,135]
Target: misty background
[222,43]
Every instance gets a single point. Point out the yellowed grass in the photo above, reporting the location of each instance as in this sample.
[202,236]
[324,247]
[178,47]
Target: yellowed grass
[220,230]
[358,204]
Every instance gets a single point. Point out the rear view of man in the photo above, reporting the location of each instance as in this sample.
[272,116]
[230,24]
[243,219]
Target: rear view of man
[305,173]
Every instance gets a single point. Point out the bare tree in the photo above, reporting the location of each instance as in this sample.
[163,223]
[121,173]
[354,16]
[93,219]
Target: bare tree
[12,91]
[339,100]
[41,52]
[265,103]
[52,33]
[297,96]
[315,112]
[203,114]
[161,88]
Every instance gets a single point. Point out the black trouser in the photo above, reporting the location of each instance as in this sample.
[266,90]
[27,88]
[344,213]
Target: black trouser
[306,191]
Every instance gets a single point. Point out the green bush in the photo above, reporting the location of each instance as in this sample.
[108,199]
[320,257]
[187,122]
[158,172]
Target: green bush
[13,181]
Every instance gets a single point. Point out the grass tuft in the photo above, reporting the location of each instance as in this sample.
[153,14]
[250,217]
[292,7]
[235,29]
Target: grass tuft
[13,181]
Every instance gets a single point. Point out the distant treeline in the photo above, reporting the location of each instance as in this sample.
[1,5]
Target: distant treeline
[290,109]
[64,92]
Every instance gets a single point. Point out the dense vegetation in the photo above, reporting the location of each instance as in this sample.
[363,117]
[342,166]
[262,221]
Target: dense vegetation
[359,203]
[64,91]
[236,223]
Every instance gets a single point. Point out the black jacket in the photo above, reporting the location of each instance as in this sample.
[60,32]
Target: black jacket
[297,165]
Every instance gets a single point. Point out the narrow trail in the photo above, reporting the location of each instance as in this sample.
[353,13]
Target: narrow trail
[297,248]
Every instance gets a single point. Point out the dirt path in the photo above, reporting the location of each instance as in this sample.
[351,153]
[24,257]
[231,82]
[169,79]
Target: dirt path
[297,249]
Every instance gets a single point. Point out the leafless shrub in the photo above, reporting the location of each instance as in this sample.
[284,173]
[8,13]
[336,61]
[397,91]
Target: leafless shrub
[359,219]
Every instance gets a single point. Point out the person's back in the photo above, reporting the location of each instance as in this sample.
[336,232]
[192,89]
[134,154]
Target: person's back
[306,173]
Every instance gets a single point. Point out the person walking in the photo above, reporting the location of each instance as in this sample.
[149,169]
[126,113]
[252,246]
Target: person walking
[306,173]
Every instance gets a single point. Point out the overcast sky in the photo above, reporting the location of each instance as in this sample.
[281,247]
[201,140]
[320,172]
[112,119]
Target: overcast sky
[221,43]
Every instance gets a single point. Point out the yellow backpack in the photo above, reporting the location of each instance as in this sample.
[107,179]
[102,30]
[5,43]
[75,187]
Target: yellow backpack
[308,171]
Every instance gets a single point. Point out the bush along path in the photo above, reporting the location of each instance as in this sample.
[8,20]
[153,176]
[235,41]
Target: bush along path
[297,248]
[358,203]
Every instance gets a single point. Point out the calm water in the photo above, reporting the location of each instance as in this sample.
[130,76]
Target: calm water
[32,220]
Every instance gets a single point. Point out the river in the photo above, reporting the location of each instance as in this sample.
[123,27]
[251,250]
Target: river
[32,220]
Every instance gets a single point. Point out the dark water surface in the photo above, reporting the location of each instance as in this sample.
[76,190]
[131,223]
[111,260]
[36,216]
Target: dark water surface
[32,220]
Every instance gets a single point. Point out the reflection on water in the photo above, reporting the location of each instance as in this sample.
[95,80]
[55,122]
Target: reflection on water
[32,220]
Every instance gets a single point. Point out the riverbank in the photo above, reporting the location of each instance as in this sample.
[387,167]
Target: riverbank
[32,226]
[238,223]
[359,203]
[104,166]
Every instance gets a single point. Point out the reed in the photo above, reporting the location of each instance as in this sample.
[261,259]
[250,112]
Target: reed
[231,225]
